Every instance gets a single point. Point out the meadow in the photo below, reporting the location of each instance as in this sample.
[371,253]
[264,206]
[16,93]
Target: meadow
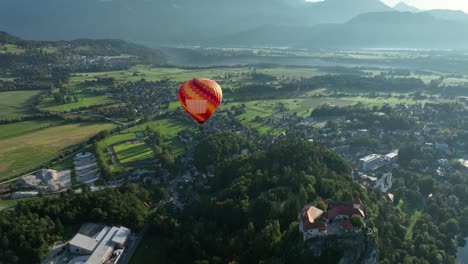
[131,152]
[83,101]
[10,48]
[16,104]
[35,147]
[20,128]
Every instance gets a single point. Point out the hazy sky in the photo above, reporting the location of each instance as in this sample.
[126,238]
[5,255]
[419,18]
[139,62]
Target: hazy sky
[428,4]
[433,4]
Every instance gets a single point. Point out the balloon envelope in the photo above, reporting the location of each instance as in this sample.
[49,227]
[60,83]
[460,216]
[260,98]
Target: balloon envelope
[200,98]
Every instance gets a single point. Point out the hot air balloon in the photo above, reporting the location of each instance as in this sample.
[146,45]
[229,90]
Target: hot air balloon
[200,98]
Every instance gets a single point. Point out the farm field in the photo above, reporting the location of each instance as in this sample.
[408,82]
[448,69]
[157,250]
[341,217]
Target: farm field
[155,74]
[35,147]
[107,142]
[16,129]
[9,48]
[131,152]
[83,101]
[16,104]
[169,129]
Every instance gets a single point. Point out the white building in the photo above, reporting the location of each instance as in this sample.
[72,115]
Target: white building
[391,157]
[26,194]
[100,247]
[371,162]
[385,182]
[310,224]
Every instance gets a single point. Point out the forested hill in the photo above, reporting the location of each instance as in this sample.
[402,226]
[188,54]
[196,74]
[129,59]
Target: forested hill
[252,214]
[14,50]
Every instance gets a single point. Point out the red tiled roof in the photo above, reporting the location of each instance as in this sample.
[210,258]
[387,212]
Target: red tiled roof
[357,201]
[315,225]
[346,225]
[340,210]
[309,215]
[344,210]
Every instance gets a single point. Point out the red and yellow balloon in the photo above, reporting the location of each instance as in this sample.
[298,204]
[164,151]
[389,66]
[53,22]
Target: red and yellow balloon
[200,98]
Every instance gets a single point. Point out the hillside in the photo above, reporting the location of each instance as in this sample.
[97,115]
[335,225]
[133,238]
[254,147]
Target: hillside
[15,51]
[148,21]
[455,15]
[403,7]
[371,30]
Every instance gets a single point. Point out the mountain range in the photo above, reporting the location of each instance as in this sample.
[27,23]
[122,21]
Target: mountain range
[403,7]
[242,22]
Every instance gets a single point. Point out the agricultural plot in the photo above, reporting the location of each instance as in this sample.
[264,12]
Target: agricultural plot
[35,147]
[169,129]
[105,152]
[20,128]
[16,104]
[154,74]
[131,152]
[12,49]
[83,101]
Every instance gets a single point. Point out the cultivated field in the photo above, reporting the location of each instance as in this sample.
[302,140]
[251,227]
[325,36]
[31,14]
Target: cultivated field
[35,147]
[20,128]
[132,152]
[83,101]
[16,103]
[169,129]
[9,48]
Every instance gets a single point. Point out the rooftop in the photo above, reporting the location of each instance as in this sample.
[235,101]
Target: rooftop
[370,157]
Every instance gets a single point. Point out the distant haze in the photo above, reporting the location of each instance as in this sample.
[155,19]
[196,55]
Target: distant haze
[429,4]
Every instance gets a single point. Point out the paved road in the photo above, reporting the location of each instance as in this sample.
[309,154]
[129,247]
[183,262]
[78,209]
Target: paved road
[125,259]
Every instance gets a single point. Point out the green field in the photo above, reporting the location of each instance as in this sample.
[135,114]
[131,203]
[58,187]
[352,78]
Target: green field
[131,152]
[16,104]
[268,108]
[414,218]
[35,147]
[16,129]
[104,144]
[9,48]
[83,101]
[11,203]
[169,129]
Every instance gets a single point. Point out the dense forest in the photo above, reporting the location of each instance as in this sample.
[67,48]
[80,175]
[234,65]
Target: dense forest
[32,227]
[252,214]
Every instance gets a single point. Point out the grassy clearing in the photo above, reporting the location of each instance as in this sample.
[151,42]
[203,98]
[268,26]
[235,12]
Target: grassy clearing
[133,152]
[35,147]
[83,101]
[12,203]
[10,48]
[454,81]
[291,72]
[16,104]
[267,108]
[391,101]
[414,219]
[64,164]
[20,128]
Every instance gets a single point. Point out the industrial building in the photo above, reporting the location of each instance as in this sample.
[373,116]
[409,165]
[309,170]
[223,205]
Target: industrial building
[100,247]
